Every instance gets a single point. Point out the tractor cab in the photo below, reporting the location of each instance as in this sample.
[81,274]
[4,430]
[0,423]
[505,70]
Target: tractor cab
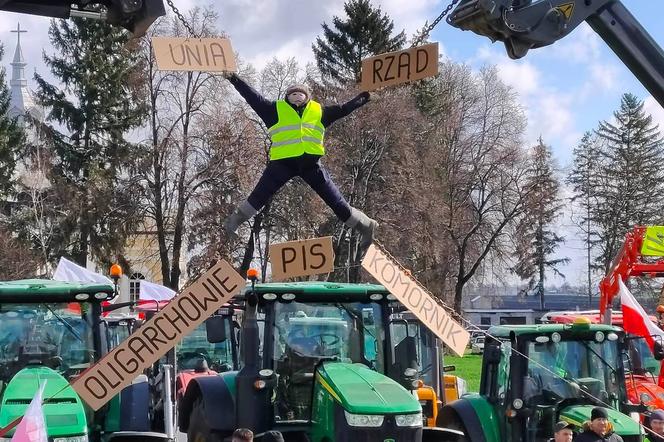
[50,331]
[314,359]
[417,348]
[534,376]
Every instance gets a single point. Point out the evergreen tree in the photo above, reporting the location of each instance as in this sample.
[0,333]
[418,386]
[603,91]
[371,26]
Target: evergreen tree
[96,105]
[584,179]
[12,136]
[631,187]
[537,239]
[365,32]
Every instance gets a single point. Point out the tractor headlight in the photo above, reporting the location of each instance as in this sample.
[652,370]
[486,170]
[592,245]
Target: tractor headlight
[71,439]
[409,420]
[364,420]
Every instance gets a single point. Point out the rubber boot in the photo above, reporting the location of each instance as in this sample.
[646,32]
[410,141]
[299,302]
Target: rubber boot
[243,213]
[366,227]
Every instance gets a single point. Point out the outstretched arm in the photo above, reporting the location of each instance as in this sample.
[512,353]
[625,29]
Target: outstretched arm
[266,109]
[334,112]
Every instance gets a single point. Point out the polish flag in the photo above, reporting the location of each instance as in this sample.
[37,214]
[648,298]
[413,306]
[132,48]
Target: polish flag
[32,427]
[635,319]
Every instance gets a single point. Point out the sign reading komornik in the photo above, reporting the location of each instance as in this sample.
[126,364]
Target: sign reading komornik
[152,340]
[416,299]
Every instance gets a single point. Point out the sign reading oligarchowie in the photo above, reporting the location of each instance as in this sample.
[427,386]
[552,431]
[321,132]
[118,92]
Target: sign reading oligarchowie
[416,299]
[152,340]
[194,54]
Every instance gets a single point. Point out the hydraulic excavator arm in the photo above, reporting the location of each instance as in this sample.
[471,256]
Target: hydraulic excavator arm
[134,15]
[526,24]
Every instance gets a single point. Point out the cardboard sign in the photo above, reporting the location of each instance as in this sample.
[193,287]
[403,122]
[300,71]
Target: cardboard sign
[194,54]
[98,384]
[301,258]
[416,299]
[399,67]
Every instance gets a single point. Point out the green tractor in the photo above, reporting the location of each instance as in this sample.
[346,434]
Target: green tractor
[317,365]
[536,375]
[50,332]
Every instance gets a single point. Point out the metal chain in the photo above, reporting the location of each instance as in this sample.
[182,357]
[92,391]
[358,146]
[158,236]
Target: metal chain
[179,15]
[428,28]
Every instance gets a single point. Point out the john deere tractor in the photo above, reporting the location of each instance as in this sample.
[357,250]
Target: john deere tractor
[50,332]
[536,375]
[314,358]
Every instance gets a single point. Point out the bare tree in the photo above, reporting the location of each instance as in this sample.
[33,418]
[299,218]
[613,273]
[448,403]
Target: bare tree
[177,163]
[479,167]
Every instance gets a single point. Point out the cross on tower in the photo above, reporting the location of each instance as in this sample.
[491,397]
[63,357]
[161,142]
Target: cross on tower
[18,31]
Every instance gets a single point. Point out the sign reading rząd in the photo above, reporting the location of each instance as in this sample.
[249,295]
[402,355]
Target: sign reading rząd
[194,54]
[152,340]
[416,299]
[399,67]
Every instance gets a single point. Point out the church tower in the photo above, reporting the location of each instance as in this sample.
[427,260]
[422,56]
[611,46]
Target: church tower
[22,101]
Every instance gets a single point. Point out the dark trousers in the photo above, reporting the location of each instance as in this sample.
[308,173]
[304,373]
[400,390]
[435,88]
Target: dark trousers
[279,172]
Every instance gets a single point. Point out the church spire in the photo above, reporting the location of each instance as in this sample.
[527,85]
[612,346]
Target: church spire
[18,64]
[21,97]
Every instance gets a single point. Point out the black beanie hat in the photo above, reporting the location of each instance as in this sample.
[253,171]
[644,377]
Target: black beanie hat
[597,413]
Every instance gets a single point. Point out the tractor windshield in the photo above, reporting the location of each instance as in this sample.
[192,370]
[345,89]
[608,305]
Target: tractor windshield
[53,335]
[195,347]
[642,360]
[572,369]
[305,334]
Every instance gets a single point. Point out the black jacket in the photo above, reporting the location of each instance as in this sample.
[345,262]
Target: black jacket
[267,109]
[591,436]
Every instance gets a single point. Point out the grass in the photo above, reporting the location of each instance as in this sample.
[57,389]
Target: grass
[468,368]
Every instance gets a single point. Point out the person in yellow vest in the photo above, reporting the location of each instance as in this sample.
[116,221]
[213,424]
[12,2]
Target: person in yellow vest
[297,130]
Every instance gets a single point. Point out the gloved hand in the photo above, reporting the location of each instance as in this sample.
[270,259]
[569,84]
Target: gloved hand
[228,75]
[365,96]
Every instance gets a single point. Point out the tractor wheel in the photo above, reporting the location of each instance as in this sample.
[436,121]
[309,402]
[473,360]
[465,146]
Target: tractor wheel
[199,430]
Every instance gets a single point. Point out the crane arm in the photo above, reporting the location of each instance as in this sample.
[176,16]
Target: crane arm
[134,15]
[526,24]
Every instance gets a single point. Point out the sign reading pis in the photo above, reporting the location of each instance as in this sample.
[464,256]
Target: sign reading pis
[416,299]
[399,67]
[194,54]
[301,258]
[98,384]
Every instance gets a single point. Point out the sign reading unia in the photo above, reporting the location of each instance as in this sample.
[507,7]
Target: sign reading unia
[98,384]
[194,54]
[416,299]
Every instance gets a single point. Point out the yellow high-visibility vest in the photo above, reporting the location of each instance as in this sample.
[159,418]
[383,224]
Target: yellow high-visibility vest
[293,135]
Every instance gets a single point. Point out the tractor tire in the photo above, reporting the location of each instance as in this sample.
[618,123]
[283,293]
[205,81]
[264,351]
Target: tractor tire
[199,430]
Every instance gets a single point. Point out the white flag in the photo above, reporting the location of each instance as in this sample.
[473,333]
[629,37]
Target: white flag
[32,427]
[150,291]
[68,271]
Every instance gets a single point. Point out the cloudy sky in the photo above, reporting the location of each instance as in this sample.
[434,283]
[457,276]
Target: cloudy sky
[566,88]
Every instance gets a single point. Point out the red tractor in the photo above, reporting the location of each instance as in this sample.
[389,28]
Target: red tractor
[642,254]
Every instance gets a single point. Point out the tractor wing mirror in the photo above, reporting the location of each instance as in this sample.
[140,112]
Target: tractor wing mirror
[492,354]
[658,352]
[215,326]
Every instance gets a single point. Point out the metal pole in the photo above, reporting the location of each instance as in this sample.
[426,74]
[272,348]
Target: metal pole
[169,426]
